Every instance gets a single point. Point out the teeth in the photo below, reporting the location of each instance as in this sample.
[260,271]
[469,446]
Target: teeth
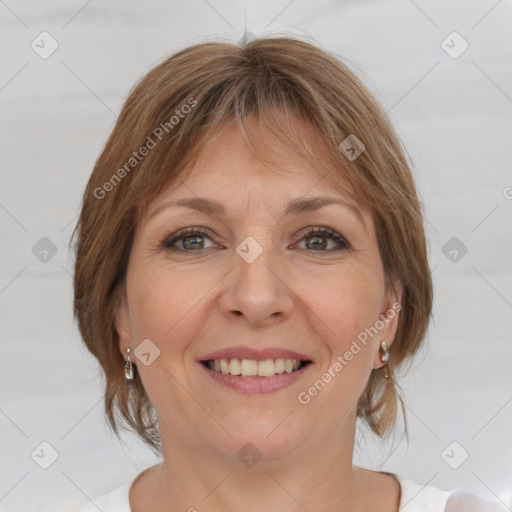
[235,368]
[248,367]
[266,368]
[224,366]
[279,365]
[252,368]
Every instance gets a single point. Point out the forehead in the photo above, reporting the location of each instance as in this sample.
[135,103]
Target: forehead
[233,163]
[228,177]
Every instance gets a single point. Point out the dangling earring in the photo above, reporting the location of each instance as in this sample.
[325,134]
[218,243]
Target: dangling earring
[384,352]
[384,357]
[128,370]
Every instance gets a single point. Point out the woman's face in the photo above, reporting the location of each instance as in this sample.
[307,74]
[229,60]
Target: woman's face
[251,274]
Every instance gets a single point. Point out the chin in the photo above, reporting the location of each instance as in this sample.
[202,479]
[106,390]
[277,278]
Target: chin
[266,436]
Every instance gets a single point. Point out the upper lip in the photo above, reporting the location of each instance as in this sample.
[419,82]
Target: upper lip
[241,352]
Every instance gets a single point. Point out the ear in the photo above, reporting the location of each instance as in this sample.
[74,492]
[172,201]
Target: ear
[388,320]
[122,320]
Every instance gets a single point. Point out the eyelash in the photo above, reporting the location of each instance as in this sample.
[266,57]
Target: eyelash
[169,242]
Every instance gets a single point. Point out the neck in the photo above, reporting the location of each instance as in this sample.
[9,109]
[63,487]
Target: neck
[314,476]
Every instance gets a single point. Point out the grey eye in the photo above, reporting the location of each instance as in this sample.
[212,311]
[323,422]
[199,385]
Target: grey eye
[188,241]
[316,242]
[193,242]
[323,240]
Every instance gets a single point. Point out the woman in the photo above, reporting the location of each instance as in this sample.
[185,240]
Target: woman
[251,272]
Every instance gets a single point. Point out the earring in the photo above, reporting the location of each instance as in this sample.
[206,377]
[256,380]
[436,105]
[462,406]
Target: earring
[128,369]
[384,352]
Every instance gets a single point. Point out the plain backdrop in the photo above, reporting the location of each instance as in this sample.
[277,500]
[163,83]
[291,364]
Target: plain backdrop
[451,106]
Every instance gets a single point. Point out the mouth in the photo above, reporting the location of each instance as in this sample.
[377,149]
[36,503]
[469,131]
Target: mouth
[252,376]
[246,368]
[250,371]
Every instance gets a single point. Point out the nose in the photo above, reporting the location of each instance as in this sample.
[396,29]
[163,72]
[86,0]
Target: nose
[257,293]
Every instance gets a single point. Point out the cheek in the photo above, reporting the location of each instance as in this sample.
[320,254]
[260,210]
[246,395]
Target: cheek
[164,305]
[344,304]
[163,302]
[340,307]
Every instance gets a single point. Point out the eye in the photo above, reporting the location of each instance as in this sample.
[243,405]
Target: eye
[196,239]
[188,240]
[323,239]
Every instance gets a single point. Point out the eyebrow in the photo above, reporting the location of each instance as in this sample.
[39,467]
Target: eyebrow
[295,207]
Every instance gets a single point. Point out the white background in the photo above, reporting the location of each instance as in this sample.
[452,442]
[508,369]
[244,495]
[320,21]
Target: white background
[454,118]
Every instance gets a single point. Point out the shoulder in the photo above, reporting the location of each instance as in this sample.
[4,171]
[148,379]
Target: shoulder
[421,498]
[113,501]
[425,498]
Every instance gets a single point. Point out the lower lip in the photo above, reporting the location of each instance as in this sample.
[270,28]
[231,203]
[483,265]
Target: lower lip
[252,385]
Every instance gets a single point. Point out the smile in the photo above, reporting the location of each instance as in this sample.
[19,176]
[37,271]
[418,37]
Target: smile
[252,376]
[253,368]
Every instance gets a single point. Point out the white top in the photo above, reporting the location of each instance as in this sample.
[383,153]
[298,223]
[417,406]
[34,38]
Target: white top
[414,498]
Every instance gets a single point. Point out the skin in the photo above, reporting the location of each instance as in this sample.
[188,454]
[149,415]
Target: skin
[295,295]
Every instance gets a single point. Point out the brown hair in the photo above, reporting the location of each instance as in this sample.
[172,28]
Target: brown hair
[167,118]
